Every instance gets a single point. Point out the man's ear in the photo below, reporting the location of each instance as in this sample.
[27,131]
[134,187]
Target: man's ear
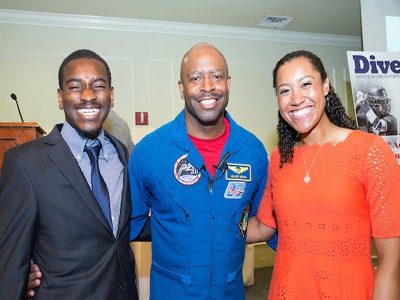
[112,96]
[181,91]
[60,98]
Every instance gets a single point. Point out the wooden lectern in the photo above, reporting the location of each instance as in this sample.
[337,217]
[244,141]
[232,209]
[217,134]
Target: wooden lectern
[13,134]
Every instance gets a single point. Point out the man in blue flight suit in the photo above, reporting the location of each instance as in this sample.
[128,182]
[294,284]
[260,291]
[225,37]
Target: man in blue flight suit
[201,176]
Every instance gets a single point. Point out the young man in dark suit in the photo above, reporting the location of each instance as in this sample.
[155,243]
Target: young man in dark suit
[48,211]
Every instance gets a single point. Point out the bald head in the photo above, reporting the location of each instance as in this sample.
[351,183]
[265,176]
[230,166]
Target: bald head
[200,49]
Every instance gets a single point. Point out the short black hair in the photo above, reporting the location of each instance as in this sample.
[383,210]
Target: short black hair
[82,53]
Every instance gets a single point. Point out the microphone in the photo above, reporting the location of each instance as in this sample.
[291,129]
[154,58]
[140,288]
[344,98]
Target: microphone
[14,97]
[221,167]
[224,167]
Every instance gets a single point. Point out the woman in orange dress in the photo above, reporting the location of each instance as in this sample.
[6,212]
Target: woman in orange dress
[330,191]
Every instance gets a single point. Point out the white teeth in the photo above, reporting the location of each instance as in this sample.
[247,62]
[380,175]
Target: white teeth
[301,112]
[208,101]
[90,111]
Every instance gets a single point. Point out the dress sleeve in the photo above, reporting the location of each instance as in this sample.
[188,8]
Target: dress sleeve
[383,189]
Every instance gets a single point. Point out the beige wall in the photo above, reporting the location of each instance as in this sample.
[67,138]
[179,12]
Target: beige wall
[373,22]
[144,58]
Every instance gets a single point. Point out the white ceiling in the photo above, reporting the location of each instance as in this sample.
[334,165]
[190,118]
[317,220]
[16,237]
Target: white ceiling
[341,17]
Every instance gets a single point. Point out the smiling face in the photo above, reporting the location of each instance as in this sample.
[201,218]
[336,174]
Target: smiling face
[204,86]
[301,95]
[86,96]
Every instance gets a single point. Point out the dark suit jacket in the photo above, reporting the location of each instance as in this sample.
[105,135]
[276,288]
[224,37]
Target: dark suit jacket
[48,212]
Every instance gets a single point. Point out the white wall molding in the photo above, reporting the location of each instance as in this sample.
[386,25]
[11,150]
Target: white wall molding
[174,28]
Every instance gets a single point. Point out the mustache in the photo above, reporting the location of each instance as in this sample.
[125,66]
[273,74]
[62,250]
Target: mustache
[209,95]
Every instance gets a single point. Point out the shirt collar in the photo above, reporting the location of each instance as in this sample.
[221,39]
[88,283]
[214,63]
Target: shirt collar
[76,143]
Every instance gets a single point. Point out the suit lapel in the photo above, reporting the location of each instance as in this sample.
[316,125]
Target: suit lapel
[62,157]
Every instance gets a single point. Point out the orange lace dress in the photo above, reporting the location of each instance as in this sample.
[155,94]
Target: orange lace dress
[325,226]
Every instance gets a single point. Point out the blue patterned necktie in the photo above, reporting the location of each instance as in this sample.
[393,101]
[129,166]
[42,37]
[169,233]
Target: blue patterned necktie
[99,187]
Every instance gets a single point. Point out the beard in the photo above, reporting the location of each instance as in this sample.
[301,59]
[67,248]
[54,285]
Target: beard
[89,134]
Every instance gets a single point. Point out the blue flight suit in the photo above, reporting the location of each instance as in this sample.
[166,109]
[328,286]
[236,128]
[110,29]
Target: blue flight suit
[198,223]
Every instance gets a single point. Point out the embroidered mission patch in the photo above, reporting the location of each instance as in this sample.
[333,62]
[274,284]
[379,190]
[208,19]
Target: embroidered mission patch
[184,172]
[243,220]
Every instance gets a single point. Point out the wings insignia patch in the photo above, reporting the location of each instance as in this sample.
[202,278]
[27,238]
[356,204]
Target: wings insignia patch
[238,169]
[241,172]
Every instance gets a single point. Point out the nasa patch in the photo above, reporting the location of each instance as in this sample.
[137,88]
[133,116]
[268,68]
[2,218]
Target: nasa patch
[235,190]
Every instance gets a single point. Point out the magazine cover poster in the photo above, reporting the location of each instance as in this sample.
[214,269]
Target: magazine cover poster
[375,84]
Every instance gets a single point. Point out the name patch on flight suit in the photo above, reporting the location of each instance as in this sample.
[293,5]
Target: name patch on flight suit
[240,172]
[184,172]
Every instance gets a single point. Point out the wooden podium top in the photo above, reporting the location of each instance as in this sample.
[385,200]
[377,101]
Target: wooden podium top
[23,125]
[15,133]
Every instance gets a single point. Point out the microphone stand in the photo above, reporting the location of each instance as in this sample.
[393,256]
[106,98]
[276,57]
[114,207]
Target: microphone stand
[14,97]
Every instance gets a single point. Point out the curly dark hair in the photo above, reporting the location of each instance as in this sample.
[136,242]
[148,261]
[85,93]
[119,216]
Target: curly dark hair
[82,53]
[334,109]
